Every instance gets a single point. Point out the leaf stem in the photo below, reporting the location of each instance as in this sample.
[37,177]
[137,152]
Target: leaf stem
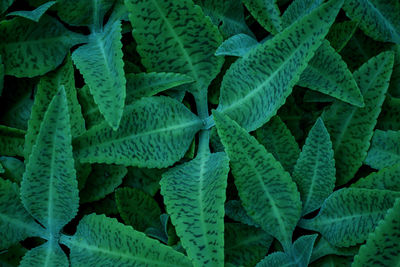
[204,142]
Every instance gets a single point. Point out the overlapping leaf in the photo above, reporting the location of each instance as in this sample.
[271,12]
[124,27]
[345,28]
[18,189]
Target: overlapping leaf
[341,33]
[385,179]
[298,9]
[11,141]
[323,248]
[238,45]
[49,254]
[267,13]
[34,15]
[384,150]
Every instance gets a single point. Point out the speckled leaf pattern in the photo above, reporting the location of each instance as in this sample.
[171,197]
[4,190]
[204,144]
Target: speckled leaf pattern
[194,194]
[383,245]
[176,36]
[350,214]
[314,172]
[137,208]
[102,181]
[257,85]
[49,254]
[340,34]
[100,62]
[34,15]
[351,128]
[266,190]
[297,10]
[31,49]
[328,73]
[323,248]
[279,141]
[154,132]
[385,179]
[46,90]
[15,223]
[384,150]
[267,13]
[11,141]
[49,190]
[377,18]
[101,241]
[237,45]
[245,245]
[234,210]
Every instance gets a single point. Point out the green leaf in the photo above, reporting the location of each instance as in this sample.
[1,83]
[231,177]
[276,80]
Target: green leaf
[328,73]
[377,18]
[1,76]
[246,96]
[394,87]
[314,172]
[49,254]
[46,90]
[266,190]
[388,118]
[13,168]
[333,261]
[100,62]
[237,45]
[279,141]
[101,241]
[297,10]
[234,210]
[384,150]
[137,208]
[323,248]
[102,181]
[341,33]
[34,15]
[245,245]
[267,13]
[154,132]
[349,215]
[144,179]
[49,190]
[48,38]
[4,5]
[11,141]
[12,256]
[179,38]
[276,259]
[194,194]
[15,223]
[385,179]
[383,245]
[351,128]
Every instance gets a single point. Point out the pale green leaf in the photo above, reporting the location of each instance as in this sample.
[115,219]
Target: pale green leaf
[267,13]
[102,181]
[11,141]
[49,190]
[351,128]
[154,132]
[297,10]
[49,254]
[100,62]
[385,179]
[279,141]
[100,241]
[384,150]
[266,190]
[341,33]
[246,94]
[15,223]
[31,49]
[377,18]
[179,38]
[245,245]
[237,45]
[314,172]
[323,248]
[137,208]
[34,15]
[194,194]
[383,245]
[350,214]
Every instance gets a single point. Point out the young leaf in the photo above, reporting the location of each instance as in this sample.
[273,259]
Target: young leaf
[314,172]
[102,181]
[100,62]
[351,128]
[178,38]
[267,13]
[49,190]
[385,179]
[297,10]
[266,190]
[15,223]
[137,208]
[194,194]
[383,245]
[34,15]
[237,45]
[101,241]
[49,254]
[48,38]
[328,73]
[384,150]
[246,94]
[11,141]
[377,18]
[245,245]
[349,215]
[279,141]
[154,132]
[323,248]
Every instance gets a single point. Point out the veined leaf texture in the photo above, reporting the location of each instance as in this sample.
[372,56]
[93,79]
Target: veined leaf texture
[199,133]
